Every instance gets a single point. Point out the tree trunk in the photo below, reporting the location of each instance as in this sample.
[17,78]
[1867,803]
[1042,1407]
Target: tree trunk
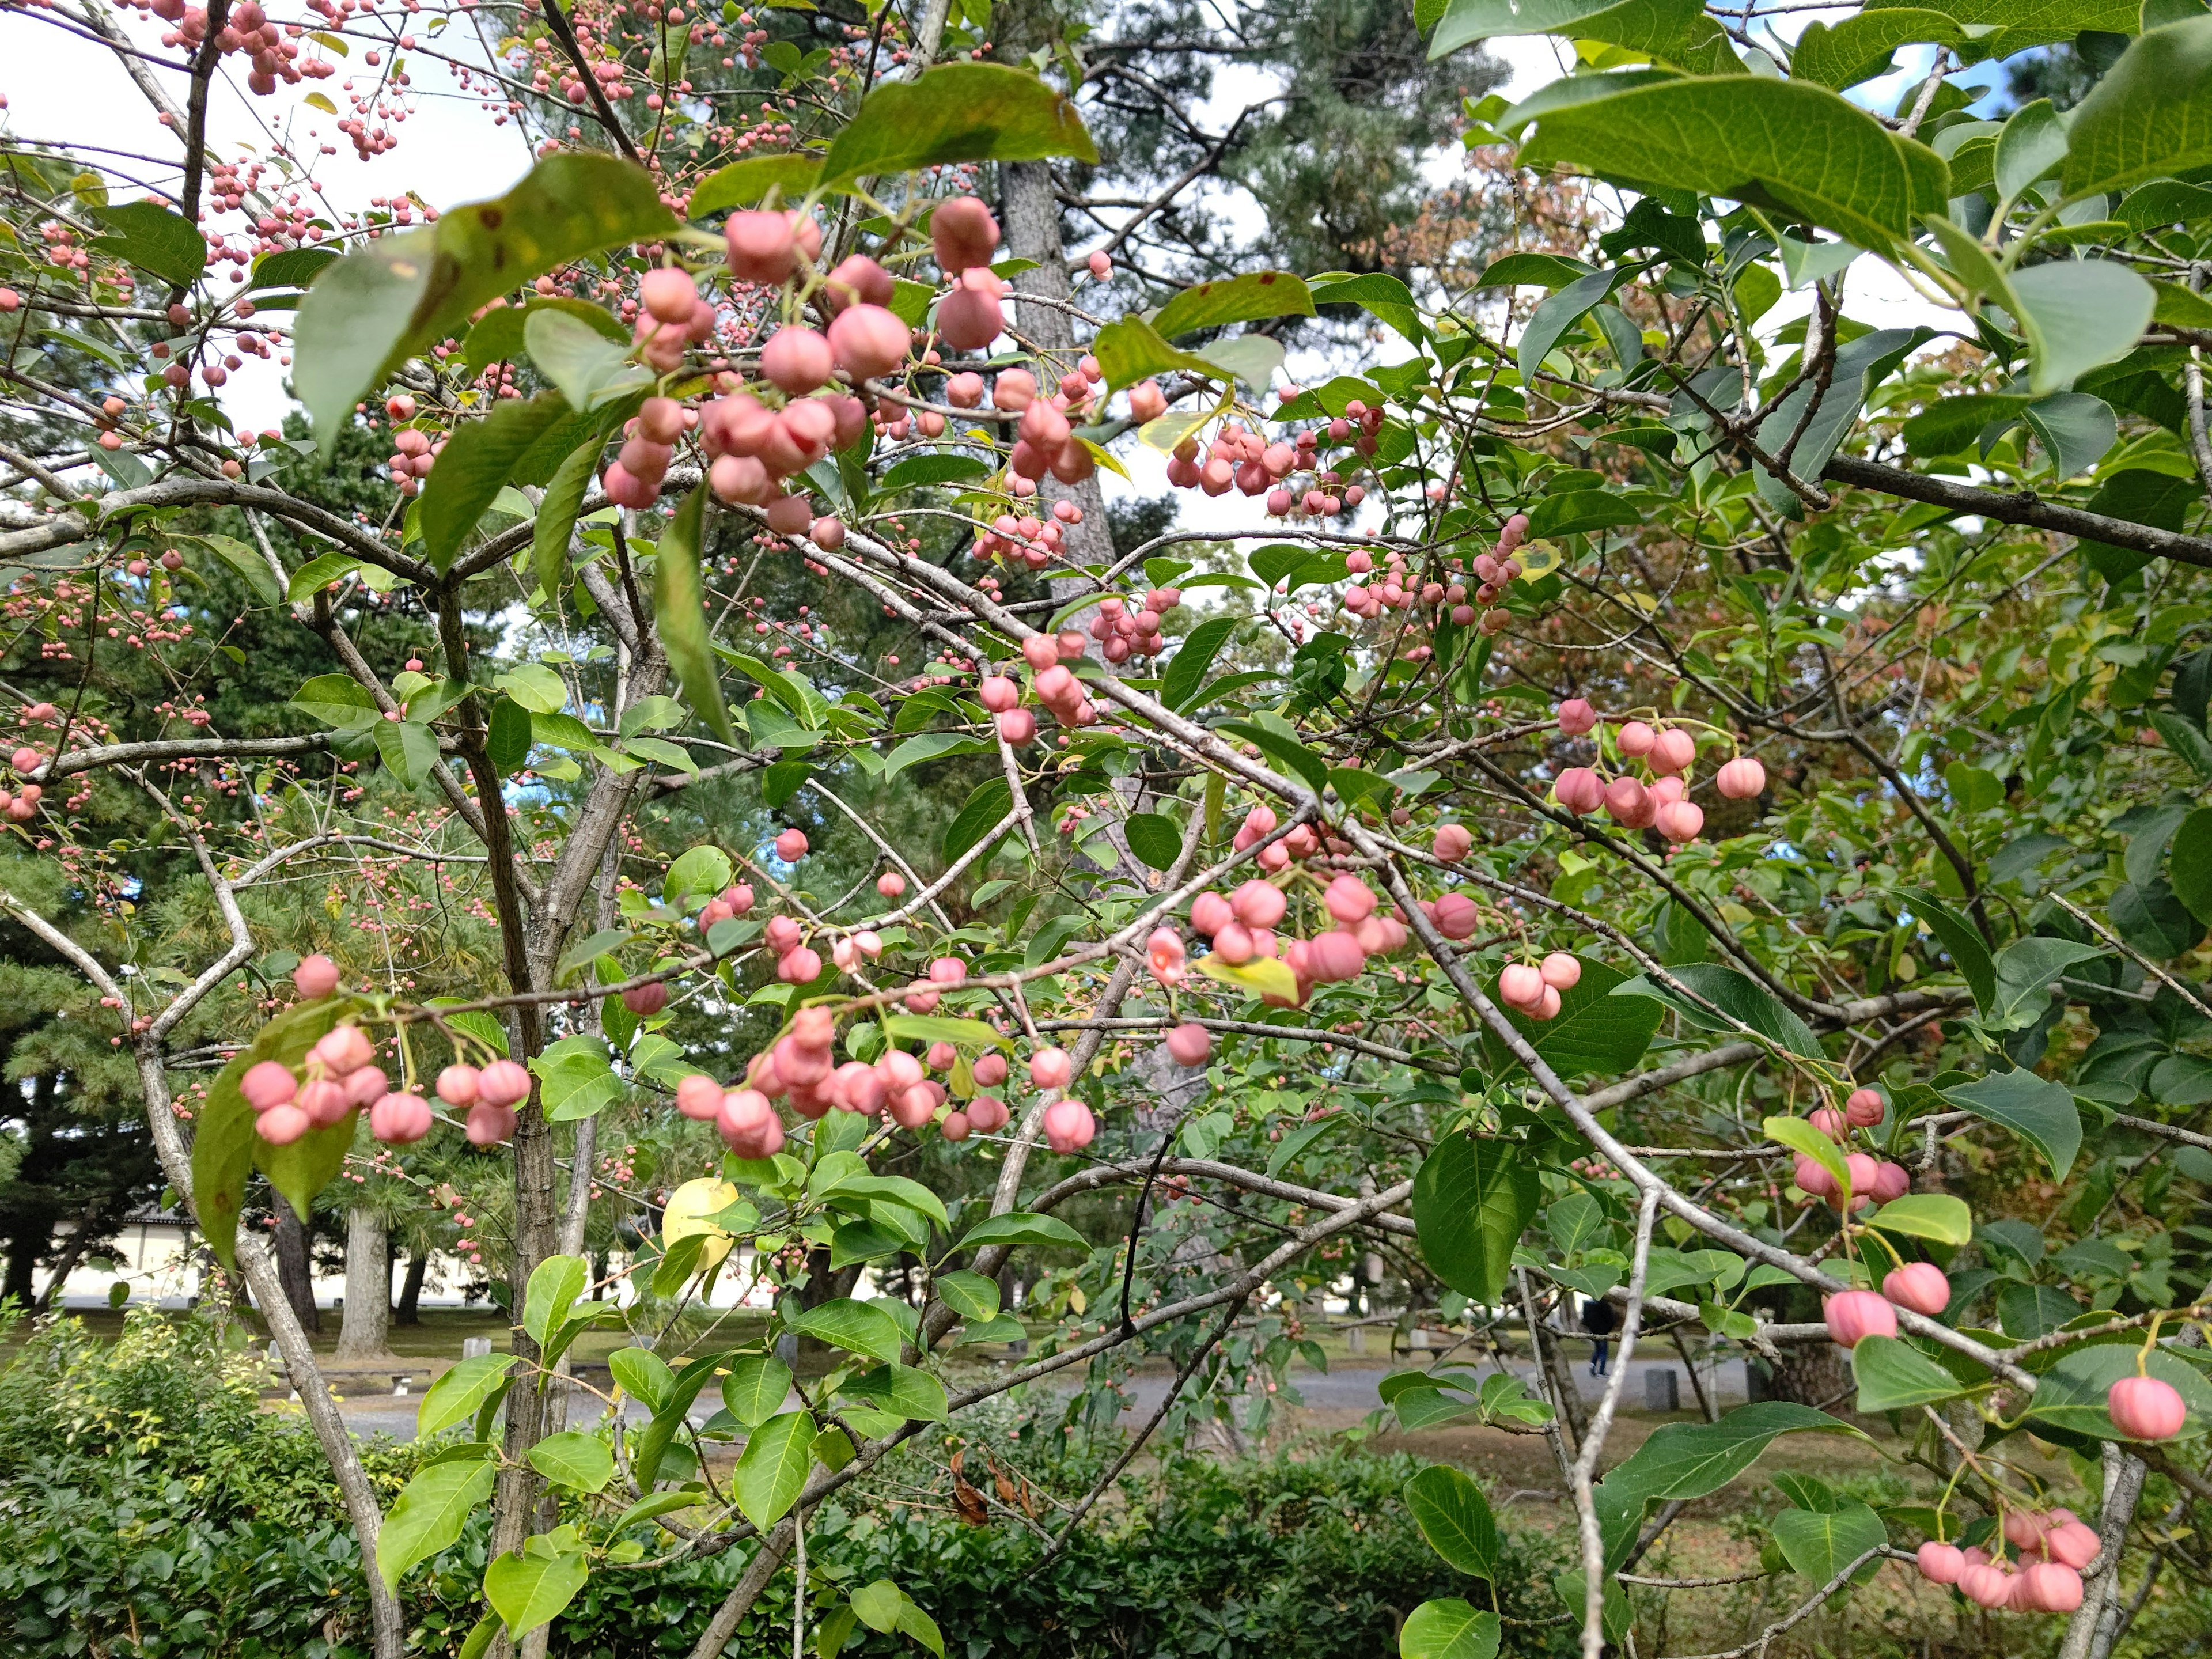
[364,1328]
[1811,1373]
[65,1264]
[294,1271]
[33,1234]
[409,1311]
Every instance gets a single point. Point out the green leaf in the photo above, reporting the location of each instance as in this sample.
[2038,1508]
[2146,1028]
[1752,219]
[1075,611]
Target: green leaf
[1801,1136]
[669,1416]
[934,745]
[459,1390]
[583,1462]
[536,686]
[986,808]
[1282,746]
[744,184]
[1858,48]
[2040,1112]
[1187,669]
[156,239]
[507,742]
[1820,1544]
[1472,1200]
[915,1623]
[1594,1030]
[408,750]
[2185,739]
[856,1326]
[1756,140]
[476,462]
[2149,116]
[1455,1517]
[1153,837]
[557,513]
[2076,431]
[2032,144]
[1743,1000]
[1646,26]
[1249,297]
[1580,512]
[1928,1215]
[428,1515]
[902,1391]
[500,333]
[337,700]
[1690,1459]
[2189,863]
[960,112]
[876,1605]
[2071,1394]
[642,1374]
[1021,1227]
[1449,1628]
[1553,318]
[680,613]
[1895,1375]
[369,311]
[917,470]
[529,1589]
[771,1472]
[968,1294]
[756,1388]
[1381,295]
[1959,940]
[2077,313]
[555,1284]
[2027,969]
[1131,350]
[588,369]
[967,1035]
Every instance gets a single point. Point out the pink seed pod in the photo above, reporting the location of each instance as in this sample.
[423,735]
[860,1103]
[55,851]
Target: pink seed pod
[489,1125]
[989,1069]
[1830,1122]
[858,280]
[2072,1543]
[940,1057]
[1069,1126]
[1210,913]
[764,245]
[1017,726]
[1862,1171]
[1679,821]
[458,1086]
[1674,751]
[1520,984]
[1919,1285]
[1576,716]
[827,533]
[323,1101]
[963,234]
[948,971]
[912,1108]
[1854,1315]
[1547,1006]
[781,935]
[267,1083]
[796,361]
[1579,790]
[2145,1408]
[969,319]
[1890,1181]
[859,1088]
[1457,917]
[998,693]
[1257,903]
[1863,1108]
[342,1048]
[1051,1068]
[1630,803]
[1165,956]
[2023,1529]
[1986,1585]
[1333,958]
[1349,899]
[646,1001]
[1561,971]
[1453,842]
[987,1115]
[1635,740]
[890,883]
[791,846]
[740,1114]
[2048,1587]
[1940,1564]
[1812,1176]
[1234,944]
[698,1096]
[1741,778]
[280,1126]
[364,1086]
[955,1126]
[502,1082]
[869,342]
[1190,1044]
[400,1120]
[670,295]
[316,976]
[1667,790]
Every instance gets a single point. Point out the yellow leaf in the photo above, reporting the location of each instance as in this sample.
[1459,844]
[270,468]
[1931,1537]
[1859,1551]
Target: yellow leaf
[689,1207]
[319,101]
[1262,976]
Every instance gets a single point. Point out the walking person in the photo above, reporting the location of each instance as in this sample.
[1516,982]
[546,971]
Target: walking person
[1601,1320]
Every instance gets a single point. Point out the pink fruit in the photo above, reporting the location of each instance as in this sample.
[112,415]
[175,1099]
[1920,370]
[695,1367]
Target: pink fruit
[858,1088]
[1068,1125]
[801,967]
[342,1048]
[969,319]
[503,1083]
[2048,1587]
[315,977]
[791,846]
[963,233]
[1629,803]
[998,693]
[948,971]
[1579,790]
[2023,1529]
[1986,1585]
[796,360]
[955,1126]
[1334,957]
[1190,1044]
[26,759]
[458,1086]
[1453,842]
[1457,917]
[1812,1176]
[1234,944]
[1862,1169]
[858,280]
[1635,740]
[364,1086]
[323,1101]
[1942,1564]
[1854,1315]
[1577,716]
[990,1069]
[1349,899]
[2072,1544]
[489,1125]
[740,1113]
[1260,903]
[646,1001]
[1741,778]
[913,1107]
[1679,821]
[940,1057]
[781,935]
[1210,913]
[698,1096]
[764,245]
[868,341]
[670,295]
[1165,956]
[1674,751]
[1919,1285]
[399,1119]
[1864,1108]
[2145,1408]
[1521,985]
[1050,1068]
[1830,1122]
[267,1083]
[987,1115]
[280,1126]
[1547,1006]
[1561,971]
[1017,725]
[890,883]
[1890,1181]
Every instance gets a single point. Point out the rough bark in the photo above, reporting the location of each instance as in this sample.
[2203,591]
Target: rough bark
[295,1273]
[410,1310]
[365,1324]
[1811,1373]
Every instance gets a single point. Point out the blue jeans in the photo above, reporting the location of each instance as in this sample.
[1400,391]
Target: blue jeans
[1601,1353]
